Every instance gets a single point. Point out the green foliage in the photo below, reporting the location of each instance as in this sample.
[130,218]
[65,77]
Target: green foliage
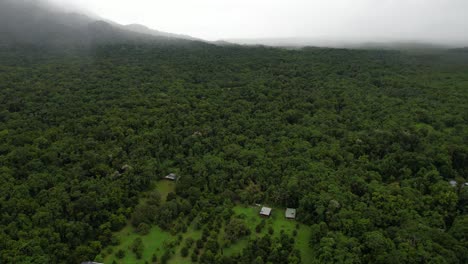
[268,250]
[120,254]
[184,252]
[165,257]
[362,143]
[143,228]
[137,247]
[194,257]
[189,242]
[235,229]
[260,226]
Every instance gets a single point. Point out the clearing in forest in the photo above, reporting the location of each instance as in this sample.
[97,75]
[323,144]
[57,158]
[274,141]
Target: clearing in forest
[158,241]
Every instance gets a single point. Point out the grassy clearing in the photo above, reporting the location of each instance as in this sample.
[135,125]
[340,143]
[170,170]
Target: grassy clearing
[278,222]
[164,187]
[153,242]
[177,258]
[156,241]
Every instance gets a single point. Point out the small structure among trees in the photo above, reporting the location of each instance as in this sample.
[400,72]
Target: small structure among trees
[124,168]
[290,213]
[171,177]
[265,211]
[453,183]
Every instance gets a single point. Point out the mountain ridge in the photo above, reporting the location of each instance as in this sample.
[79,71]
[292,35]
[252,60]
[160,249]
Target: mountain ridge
[298,42]
[139,28]
[37,22]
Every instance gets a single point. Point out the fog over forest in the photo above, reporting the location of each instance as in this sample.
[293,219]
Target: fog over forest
[340,21]
[173,132]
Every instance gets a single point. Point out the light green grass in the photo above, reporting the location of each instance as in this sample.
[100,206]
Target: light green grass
[278,221]
[177,258]
[154,242]
[164,187]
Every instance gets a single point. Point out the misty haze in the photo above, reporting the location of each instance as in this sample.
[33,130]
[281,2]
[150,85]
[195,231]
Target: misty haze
[248,131]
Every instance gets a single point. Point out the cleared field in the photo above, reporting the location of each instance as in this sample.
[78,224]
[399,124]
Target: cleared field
[154,242]
[164,187]
[278,222]
[157,241]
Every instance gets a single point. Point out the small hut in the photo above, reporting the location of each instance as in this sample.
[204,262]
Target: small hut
[265,211]
[124,168]
[171,177]
[290,213]
[453,183]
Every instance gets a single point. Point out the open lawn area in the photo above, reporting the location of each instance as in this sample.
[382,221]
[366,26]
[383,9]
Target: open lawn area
[154,243]
[278,222]
[164,187]
[158,241]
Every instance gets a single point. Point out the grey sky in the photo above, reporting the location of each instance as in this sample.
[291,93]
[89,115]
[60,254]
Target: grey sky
[439,21]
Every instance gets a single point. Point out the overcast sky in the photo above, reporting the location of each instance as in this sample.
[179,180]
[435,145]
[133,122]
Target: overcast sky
[364,20]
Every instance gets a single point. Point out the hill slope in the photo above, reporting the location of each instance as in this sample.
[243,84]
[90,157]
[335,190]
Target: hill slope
[152,32]
[35,22]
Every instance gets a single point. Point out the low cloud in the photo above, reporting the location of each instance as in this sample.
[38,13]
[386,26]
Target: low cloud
[435,21]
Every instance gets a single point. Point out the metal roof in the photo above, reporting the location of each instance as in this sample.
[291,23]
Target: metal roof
[171,176]
[290,213]
[265,211]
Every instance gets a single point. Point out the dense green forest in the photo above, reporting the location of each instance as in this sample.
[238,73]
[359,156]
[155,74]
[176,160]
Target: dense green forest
[362,142]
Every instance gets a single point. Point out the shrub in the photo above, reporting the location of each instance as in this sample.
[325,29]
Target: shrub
[120,254]
[184,252]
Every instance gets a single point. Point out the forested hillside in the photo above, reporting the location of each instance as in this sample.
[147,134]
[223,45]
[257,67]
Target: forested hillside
[362,143]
